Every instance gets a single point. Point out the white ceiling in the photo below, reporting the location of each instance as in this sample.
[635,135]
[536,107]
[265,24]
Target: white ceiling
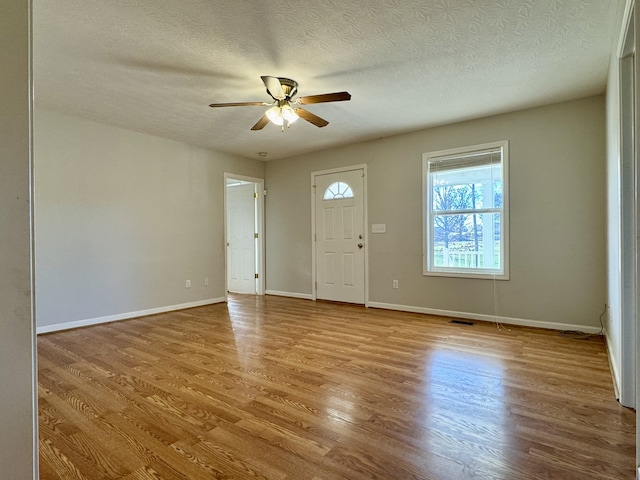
[155,65]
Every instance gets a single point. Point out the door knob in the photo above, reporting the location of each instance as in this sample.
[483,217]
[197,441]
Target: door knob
[360,245]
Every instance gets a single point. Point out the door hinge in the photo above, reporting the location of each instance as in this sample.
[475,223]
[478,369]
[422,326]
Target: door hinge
[255,235]
[255,194]
[256,275]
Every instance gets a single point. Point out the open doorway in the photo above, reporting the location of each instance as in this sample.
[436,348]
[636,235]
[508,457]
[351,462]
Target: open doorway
[244,234]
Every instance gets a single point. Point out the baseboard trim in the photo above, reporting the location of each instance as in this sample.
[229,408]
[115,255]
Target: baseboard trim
[304,296]
[386,306]
[615,374]
[486,318]
[124,316]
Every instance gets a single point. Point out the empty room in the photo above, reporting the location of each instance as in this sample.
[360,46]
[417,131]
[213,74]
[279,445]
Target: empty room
[319,240]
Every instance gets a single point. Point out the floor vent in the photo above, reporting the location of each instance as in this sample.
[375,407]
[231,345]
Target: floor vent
[462,322]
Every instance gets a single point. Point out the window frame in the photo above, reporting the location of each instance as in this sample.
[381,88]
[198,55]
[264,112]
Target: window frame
[428,267]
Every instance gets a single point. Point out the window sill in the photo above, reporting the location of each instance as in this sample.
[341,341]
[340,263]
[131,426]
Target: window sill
[459,274]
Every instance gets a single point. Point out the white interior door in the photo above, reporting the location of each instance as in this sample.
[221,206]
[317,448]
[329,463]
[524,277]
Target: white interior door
[339,236]
[241,242]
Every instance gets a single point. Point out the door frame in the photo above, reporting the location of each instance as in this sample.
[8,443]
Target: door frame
[629,73]
[365,220]
[260,250]
[629,64]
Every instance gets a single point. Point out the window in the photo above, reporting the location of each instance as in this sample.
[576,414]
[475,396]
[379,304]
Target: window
[465,212]
[337,191]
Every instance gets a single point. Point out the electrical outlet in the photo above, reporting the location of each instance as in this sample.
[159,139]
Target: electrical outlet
[206,281]
[395,283]
[187,284]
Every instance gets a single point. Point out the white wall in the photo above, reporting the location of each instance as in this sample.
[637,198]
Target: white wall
[123,219]
[18,452]
[557,214]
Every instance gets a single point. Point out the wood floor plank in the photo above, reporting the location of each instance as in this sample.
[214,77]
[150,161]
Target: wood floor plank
[287,389]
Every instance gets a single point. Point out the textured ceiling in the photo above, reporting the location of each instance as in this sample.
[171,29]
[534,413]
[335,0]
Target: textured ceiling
[154,65]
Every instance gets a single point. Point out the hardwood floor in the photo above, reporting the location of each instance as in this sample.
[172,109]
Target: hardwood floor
[277,388]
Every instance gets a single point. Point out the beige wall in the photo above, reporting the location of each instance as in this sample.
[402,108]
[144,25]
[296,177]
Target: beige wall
[123,219]
[557,212]
[17,363]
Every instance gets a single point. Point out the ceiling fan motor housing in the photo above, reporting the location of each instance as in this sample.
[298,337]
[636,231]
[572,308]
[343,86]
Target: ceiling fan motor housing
[290,87]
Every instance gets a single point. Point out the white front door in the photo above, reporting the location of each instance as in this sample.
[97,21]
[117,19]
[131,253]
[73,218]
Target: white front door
[241,242]
[339,236]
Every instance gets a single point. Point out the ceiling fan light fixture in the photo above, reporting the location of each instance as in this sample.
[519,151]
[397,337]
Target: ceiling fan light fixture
[281,114]
[274,114]
[289,114]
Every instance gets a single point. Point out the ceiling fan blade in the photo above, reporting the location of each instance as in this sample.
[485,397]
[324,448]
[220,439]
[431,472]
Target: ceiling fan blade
[311,117]
[240,104]
[274,87]
[260,124]
[325,97]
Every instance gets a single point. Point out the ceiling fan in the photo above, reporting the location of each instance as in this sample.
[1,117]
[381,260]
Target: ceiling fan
[284,109]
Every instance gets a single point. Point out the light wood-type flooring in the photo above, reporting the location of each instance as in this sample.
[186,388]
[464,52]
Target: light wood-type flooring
[278,388]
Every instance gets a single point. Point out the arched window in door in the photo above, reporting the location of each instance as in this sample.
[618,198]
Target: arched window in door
[338,191]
